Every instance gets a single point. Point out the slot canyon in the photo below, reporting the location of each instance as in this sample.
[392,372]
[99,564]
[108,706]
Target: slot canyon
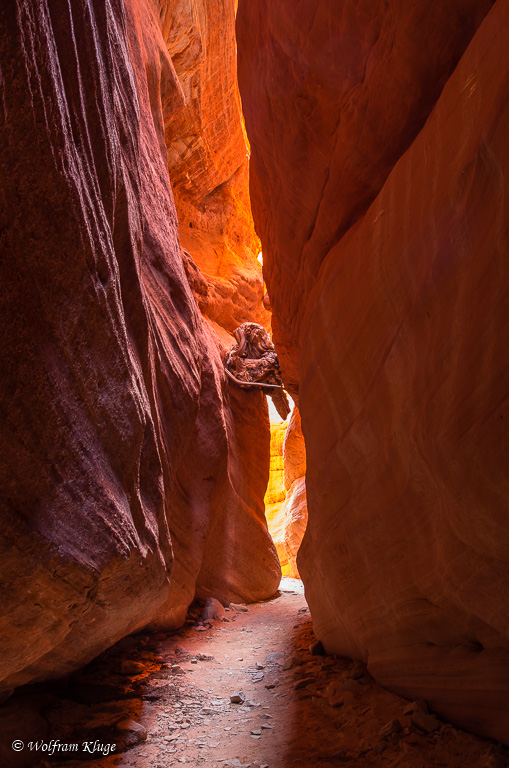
[190,574]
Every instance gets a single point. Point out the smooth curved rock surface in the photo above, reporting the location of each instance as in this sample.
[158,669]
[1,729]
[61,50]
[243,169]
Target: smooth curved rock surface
[333,92]
[208,159]
[285,498]
[122,454]
[295,511]
[275,493]
[399,349]
[294,450]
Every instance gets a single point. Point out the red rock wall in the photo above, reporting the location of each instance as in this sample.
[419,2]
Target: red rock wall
[383,215]
[208,160]
[333,93]
[111,385]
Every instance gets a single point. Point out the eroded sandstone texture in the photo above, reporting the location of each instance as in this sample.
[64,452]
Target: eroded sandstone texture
[285,498]
[378,178]
[295,508]
[128,482]
[208,160]
[275,493]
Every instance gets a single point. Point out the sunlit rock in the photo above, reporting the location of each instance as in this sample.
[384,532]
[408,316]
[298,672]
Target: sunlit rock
[208,159]
[285,499]
[379,163]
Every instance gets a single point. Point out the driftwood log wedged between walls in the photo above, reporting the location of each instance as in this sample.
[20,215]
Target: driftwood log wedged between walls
[399,345]
[111,384]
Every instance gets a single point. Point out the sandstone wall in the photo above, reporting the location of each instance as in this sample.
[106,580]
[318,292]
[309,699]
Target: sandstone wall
[122,466]
[208,160]
[275,493]
[333,93]
[285,498]
[378,176]
[295,509]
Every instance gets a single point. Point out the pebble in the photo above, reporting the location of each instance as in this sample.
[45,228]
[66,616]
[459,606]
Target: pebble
[258,677]
[274,658]
[259,665]
[237,698]
[352,685]
[128,667]
[390,729]
[256,732]
[424,722]
[332,688]
[132,727]
[212,609]
[379,747]
[317,649]
[358,669]
[414,706]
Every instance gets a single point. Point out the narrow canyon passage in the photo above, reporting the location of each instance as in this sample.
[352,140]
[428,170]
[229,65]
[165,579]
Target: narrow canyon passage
[235,688]
[189,190]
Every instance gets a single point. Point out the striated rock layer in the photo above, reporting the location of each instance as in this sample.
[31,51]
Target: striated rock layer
[400,344]
[208,160]
[333,93]
[285,498]
[295,508]
[275,494]
[130,473]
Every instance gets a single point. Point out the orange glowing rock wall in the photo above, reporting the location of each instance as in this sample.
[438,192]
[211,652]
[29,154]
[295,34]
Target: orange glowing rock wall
[208,160]
[285,498]
[380,160]
[131,475]
[295,508]
[275,493]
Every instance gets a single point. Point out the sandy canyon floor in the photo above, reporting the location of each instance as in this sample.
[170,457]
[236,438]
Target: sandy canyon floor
[242,690]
